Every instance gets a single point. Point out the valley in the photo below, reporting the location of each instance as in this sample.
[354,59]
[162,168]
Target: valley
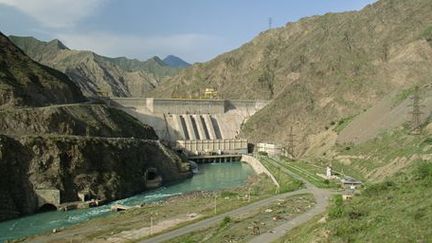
[319,130]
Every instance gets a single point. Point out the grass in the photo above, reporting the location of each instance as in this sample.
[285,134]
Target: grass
[286,182]
[402,95]
[395,210]
[242,229]
[379,152]
[343,123]
[306,171]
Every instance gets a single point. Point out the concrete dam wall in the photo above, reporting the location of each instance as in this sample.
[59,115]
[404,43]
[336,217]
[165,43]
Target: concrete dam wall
[194,125]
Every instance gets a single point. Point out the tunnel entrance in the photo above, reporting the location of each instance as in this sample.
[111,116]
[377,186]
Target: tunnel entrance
[152,178]
[47,207]
[152,175]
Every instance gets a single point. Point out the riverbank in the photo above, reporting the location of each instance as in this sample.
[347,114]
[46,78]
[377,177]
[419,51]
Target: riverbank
[212,177]
[157,217]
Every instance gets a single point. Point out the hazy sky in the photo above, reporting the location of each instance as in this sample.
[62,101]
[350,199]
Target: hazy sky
[196,30]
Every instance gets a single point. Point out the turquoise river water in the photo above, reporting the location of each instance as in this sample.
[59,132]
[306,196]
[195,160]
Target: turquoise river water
[210,177]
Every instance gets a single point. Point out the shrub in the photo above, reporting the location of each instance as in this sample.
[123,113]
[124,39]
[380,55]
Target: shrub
[228,194]
[226,221]
[376,189]
[337,210]
[427,33]
[424,173]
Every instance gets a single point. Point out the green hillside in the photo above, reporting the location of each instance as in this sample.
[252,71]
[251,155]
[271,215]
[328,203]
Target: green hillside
[395,209]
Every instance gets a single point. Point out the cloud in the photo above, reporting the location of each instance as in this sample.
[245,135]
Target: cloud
[193,47]
[56,13]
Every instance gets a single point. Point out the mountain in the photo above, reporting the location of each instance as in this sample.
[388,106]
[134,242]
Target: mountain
[320,70]
[175,62]
[96,74]
[24,82]
[52,138]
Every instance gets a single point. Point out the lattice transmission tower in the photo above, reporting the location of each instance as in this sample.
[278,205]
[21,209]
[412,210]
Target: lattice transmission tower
[416,124]
[291,142]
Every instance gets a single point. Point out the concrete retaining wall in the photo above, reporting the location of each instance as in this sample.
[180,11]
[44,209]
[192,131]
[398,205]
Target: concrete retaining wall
[258,167]
[130,102]
[252,105]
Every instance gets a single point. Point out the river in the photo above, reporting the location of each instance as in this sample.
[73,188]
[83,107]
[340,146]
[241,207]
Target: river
[211,177]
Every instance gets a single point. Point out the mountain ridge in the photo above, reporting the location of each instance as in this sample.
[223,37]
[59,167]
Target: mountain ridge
[96,74]
[318,70]
[24,82]
[175,62]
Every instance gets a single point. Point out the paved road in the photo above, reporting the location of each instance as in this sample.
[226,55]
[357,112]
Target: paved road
[321,197]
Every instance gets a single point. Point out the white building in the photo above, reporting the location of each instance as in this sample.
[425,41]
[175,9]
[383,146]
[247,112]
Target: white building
[270,149]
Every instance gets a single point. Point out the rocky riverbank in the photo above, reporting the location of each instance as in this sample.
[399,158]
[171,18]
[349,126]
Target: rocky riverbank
[102,168]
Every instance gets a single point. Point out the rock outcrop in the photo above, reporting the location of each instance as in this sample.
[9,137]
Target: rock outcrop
[103,168]
[24,82]
[88,120]
[51,140]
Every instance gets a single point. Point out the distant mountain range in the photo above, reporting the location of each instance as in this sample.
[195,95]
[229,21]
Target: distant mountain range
[96,74]
[175,62]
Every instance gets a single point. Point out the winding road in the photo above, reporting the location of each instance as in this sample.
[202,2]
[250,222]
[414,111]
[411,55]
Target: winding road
[321,196]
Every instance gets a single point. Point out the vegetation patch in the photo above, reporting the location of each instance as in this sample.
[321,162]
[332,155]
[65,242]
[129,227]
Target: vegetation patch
[254,223]
[286,182]
[396,210]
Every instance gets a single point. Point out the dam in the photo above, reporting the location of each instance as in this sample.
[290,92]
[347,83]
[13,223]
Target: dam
[200,128]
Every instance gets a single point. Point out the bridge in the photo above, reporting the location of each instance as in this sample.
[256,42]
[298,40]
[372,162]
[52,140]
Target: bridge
[198,127]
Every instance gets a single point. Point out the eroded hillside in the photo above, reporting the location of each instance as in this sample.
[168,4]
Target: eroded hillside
[96,74]
[319,70]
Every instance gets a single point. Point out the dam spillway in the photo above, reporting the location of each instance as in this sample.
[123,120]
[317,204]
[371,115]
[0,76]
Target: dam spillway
[198,127]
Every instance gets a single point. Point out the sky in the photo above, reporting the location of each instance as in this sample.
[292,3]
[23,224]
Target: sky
[195,30]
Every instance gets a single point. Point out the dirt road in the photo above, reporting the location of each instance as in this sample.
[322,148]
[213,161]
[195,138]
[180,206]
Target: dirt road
[321,196]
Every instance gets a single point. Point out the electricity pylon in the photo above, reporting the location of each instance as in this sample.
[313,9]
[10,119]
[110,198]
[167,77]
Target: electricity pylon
[416,124]
[291,142]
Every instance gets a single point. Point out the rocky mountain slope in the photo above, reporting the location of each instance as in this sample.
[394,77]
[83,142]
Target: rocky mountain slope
[24,82]
[94,73]
[50,141]
[319,70]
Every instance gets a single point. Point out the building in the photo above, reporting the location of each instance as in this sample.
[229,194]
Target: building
[351,183]
[269,149]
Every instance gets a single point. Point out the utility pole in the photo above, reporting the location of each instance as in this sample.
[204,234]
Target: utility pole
[291,144]
[215,204]
[416,112]
[270,22]
[151,224]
